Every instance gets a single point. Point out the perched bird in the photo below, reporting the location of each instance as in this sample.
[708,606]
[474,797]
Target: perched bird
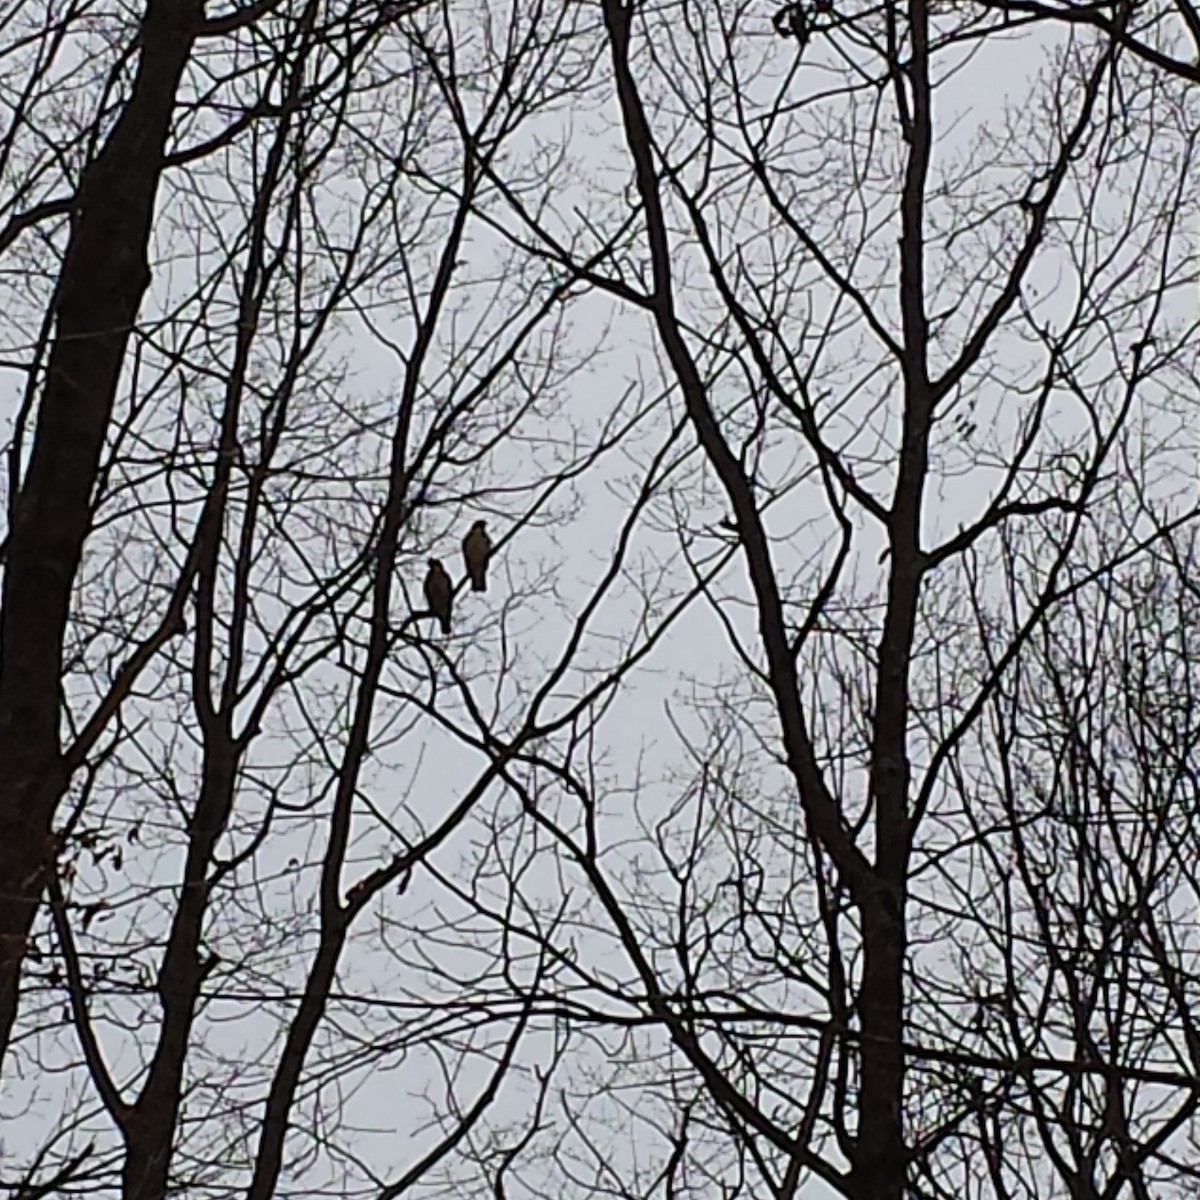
[439,593]
[477,549]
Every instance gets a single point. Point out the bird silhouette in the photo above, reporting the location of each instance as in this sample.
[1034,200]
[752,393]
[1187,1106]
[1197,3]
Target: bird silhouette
[477,550]
[439,593]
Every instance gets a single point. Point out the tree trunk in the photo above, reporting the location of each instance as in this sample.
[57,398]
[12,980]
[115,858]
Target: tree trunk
[104,276]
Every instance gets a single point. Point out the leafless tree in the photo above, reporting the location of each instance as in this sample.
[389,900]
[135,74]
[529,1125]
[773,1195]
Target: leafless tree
[975,358]
[156,88]
[245,602]
[807,808]
[1164,34]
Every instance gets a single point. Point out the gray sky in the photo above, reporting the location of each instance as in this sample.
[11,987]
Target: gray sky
[415,956]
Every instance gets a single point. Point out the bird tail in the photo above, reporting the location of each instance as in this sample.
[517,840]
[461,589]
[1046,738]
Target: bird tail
[444,621]
[479,583]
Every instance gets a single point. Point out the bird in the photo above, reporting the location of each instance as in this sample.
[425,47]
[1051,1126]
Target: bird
[439,593]
[477,549]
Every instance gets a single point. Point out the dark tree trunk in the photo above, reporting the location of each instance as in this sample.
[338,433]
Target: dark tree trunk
[150,1125]
[104,276]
